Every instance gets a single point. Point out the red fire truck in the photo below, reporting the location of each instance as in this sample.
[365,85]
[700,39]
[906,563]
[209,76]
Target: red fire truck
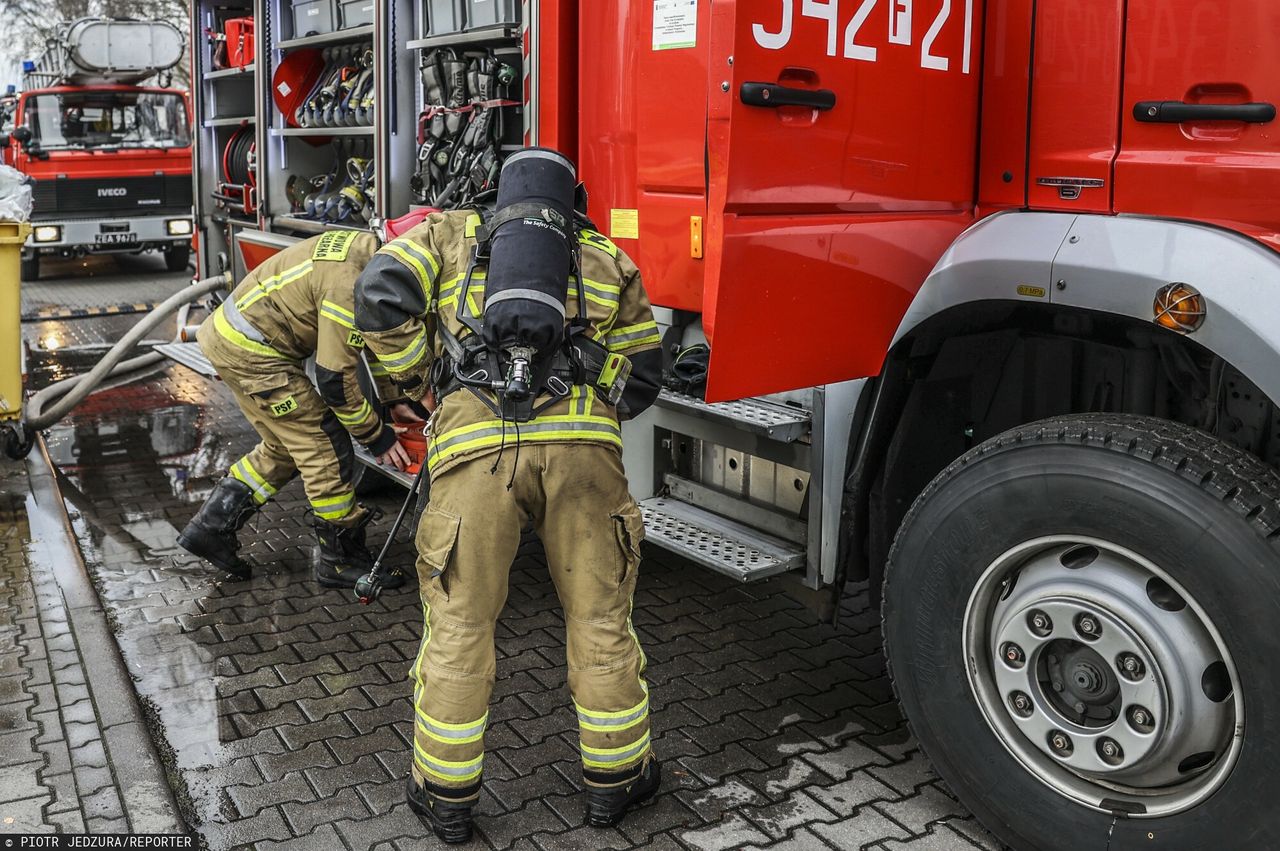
[111,159]
[991,293]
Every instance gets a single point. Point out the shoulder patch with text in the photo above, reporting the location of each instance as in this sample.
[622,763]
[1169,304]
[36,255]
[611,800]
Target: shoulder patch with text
[334,245]
[287,406]
[355,340]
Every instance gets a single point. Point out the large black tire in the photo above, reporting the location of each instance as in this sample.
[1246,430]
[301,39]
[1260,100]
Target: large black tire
[178,257]
[30,268]
[1206,513]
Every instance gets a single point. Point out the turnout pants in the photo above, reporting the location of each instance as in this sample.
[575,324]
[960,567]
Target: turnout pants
[299,433]
[576,497]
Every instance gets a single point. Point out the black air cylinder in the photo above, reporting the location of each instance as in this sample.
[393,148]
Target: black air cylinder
[530,260]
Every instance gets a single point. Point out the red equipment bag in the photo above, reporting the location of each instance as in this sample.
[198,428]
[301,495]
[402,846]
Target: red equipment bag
[239,42]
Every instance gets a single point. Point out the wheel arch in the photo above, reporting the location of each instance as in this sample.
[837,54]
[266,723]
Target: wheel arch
[1002,278]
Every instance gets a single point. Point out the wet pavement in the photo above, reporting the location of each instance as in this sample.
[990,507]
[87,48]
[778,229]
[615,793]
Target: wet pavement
[281,711]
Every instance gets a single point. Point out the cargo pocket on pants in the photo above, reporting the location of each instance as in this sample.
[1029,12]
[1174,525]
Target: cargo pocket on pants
[272,392]
[437,536]
[628,523]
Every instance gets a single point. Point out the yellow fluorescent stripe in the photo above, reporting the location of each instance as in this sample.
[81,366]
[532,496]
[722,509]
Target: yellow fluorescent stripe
[445,770]
[274,283]
[343,317]
[631,746]
[539,438]
[615,728]
[333,500]
[415,265]
[392,360]
[361,414]
[231,335]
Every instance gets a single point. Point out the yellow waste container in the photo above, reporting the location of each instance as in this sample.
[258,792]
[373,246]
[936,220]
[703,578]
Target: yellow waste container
[12,237]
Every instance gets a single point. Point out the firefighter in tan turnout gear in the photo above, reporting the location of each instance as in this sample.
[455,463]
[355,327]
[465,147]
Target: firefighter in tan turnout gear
[297,304]
[526,359]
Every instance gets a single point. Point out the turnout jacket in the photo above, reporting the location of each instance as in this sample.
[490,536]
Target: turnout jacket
[300,303]
[412,286]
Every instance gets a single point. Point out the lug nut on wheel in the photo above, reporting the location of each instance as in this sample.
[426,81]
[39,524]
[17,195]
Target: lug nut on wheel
[1060,742]
[1130,666]
[1013,655]
[1040,623]
[1141,720]
[1110,751]
[1021,704]
[1088,627]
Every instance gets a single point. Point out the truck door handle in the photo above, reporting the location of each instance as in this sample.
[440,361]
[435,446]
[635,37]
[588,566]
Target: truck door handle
[773,95]
[1177,112]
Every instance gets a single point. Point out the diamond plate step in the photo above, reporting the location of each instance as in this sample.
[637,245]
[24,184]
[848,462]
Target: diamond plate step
[189,355]
[719,543]
[778,422]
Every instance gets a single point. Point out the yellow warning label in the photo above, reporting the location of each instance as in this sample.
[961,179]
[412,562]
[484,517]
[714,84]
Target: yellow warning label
[279,409]
[1030,291]
[624,224]
[334,245]
[355,340]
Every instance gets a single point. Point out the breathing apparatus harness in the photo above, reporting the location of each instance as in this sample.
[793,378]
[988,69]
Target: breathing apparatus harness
[515,375]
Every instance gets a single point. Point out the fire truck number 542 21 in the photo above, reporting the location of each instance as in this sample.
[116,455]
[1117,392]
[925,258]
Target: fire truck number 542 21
[901,13]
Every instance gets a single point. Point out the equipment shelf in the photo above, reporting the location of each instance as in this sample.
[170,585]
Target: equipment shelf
[231,72]
[486,36]
[335,37]
[311,225]
[230,121]
[321,131]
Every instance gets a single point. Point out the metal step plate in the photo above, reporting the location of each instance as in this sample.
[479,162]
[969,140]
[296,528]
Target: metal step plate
[710,540]
[189,355]
[783,423]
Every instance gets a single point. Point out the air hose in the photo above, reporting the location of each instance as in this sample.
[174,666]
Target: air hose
[73,390]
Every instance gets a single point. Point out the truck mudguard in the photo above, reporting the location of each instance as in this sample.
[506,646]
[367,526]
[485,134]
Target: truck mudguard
[1116,264]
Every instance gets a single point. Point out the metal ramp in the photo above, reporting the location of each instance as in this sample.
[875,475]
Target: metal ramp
[189,355]
[716,542]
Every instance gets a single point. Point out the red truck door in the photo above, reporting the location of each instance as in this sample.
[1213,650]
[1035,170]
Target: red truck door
[1199,129]
[841,155]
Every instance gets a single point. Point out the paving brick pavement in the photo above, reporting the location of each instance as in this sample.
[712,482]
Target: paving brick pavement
[284,713]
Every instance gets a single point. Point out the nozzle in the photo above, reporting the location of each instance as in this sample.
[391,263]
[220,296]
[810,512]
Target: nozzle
[368,588]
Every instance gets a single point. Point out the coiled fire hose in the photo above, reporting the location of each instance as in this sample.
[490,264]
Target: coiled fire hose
[73,390]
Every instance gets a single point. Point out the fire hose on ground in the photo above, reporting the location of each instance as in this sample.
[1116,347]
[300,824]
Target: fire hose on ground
[71,391]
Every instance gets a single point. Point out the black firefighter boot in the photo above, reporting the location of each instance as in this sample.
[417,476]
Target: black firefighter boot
[341,556]
[606,805]
[449,818]
[211,534]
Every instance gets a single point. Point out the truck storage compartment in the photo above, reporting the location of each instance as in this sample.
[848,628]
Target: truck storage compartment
[314,17]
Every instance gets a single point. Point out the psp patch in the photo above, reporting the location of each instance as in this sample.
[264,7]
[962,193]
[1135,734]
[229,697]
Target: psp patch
[334,245]
[355,340]
[287,406]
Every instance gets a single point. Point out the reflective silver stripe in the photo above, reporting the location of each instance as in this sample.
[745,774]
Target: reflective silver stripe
[610,296]
[617,339]
[236,320]
[429,263]
[541,155]
[439,732]
[617,757]
[337,508]
[585,716]
[528,295]
[411,355]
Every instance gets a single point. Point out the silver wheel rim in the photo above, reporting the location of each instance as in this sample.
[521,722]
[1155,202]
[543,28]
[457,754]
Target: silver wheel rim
[1103,676]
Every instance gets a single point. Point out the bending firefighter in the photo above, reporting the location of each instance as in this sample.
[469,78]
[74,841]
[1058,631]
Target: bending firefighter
[533,336]
[297,304]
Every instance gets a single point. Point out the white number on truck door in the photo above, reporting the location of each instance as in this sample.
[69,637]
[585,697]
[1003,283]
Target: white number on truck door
[900,17]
